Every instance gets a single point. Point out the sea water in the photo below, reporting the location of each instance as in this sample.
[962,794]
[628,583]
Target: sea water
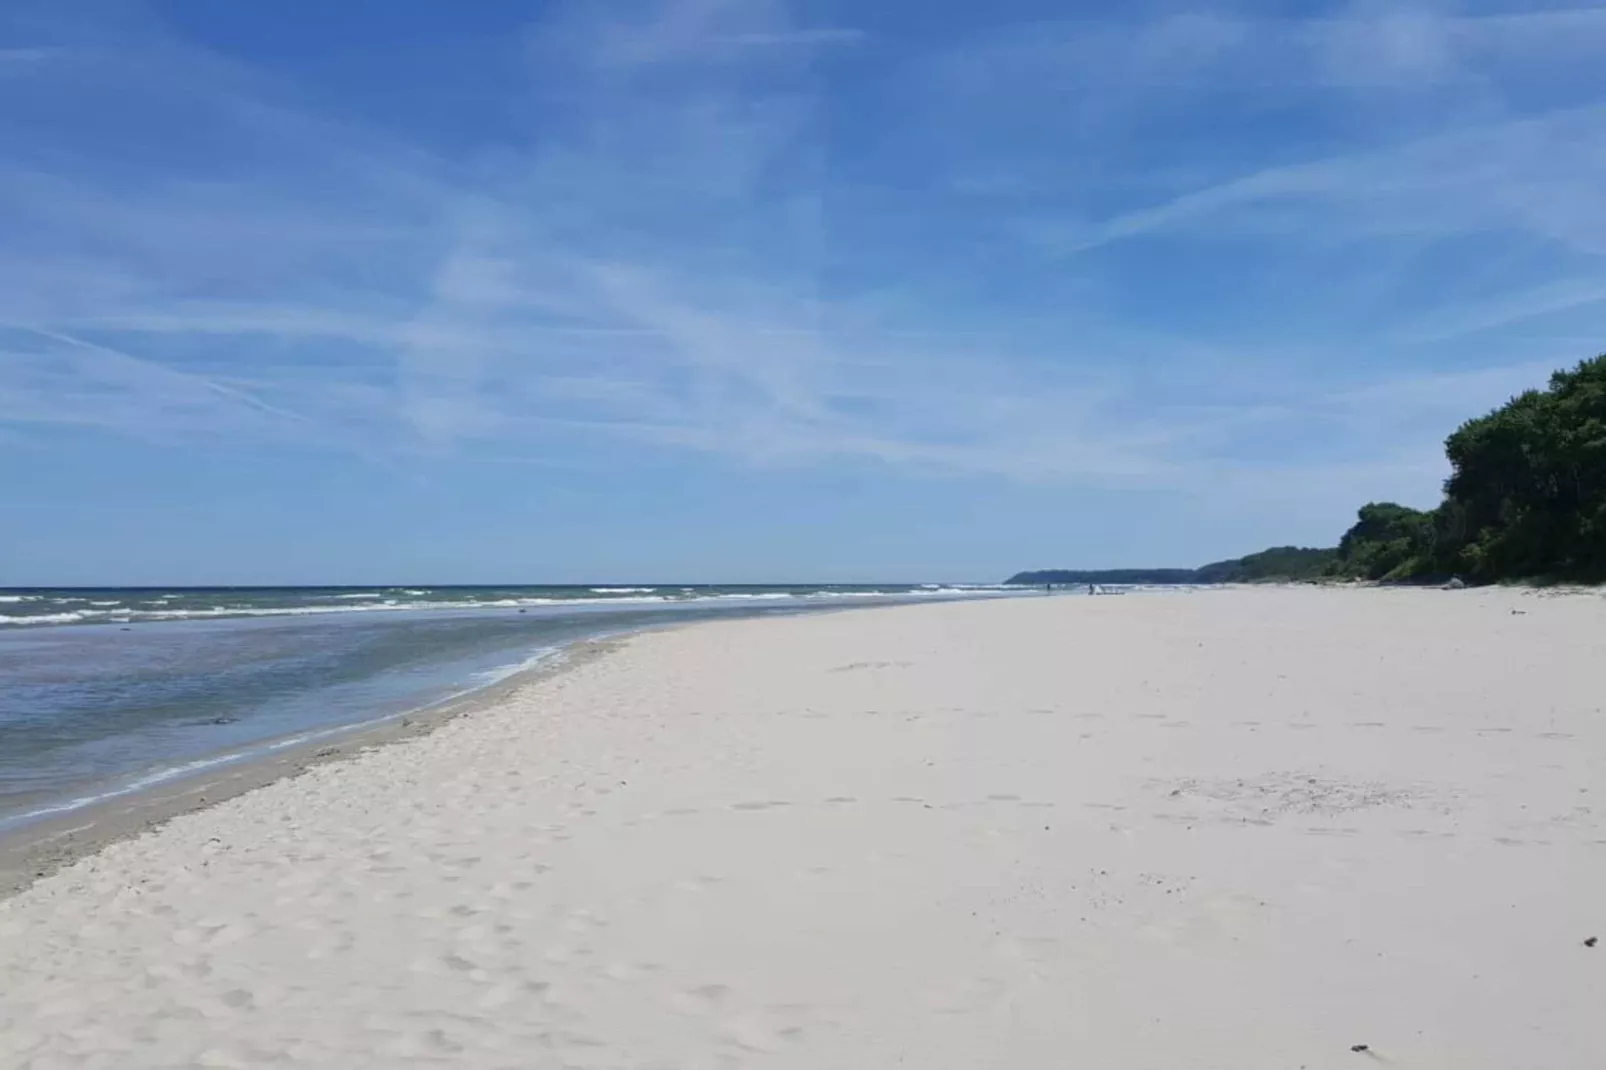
[107,692]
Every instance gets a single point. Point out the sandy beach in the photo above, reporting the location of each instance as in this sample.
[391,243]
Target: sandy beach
[1235,829]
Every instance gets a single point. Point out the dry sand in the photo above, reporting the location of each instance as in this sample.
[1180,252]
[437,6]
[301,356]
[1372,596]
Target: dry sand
[1236,830]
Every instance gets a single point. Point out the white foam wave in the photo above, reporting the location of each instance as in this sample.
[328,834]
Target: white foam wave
[495,676]
[366,602]
[46,618]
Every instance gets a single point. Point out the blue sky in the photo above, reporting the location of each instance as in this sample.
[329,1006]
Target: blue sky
[755,290]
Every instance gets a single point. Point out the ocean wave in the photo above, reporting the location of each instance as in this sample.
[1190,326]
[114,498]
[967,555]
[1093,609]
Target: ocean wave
[490,677]
[13,599]
[45,618]
[366,602]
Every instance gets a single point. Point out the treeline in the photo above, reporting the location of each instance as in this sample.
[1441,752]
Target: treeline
[1104,576]
[1526,497]
[1278,563]
[1526,500]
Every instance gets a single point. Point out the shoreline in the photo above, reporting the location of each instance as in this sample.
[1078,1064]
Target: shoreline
[39,848]
[1265,828]
[44,846]
[66,809]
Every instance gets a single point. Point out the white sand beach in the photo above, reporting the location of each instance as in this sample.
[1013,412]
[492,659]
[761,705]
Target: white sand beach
[1245,830]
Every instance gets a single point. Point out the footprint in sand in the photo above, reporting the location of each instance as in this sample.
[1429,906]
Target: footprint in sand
[757,1033]
[701,1000]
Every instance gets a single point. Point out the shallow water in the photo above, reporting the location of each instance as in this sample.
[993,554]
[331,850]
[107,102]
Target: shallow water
[91,709]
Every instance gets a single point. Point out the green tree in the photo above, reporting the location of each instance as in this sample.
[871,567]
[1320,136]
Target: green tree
[1527,493]
[1387,542]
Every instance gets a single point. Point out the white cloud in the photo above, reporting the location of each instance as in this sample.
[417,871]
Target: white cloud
[1390,45]
[20,57]
[1534,174]
[60,379]
[655,267]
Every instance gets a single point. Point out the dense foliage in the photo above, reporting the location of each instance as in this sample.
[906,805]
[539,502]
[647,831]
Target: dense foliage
[1526,499]
[1388,542]
[1277,563]
[1527,496]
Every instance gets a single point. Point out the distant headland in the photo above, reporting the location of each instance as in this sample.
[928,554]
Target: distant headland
[1525,501]
[1278,563]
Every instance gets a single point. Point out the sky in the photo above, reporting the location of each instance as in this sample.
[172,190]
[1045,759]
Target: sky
[767,290]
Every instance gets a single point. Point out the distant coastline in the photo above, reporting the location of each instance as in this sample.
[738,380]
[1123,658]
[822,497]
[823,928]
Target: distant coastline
[1525,503]
[1287,563]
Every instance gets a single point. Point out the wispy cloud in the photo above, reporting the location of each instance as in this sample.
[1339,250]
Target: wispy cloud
[824,35]
[1531,174]
[1388,45]
[695,249]
[20,57]
[60,379]
[1513,307]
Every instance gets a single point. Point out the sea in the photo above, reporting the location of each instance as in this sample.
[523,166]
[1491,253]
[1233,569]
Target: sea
[110,692]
